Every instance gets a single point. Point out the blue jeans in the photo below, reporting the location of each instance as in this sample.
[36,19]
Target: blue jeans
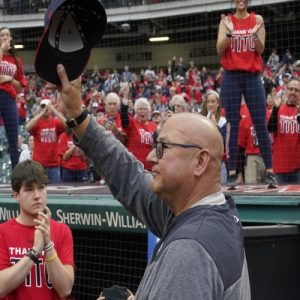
[74,176]
[288,178]
[234,85]
[9,114]
[53,174]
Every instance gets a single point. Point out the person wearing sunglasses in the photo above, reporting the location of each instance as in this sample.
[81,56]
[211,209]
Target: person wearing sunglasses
[200,254]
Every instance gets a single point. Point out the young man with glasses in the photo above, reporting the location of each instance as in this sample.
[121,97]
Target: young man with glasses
[200,254]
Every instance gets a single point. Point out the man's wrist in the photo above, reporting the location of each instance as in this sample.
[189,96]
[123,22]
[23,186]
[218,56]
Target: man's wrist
[33,255]
[74,113]
[49,246]
[74,122]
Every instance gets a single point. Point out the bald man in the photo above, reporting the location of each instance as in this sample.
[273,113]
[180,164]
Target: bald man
[200,254]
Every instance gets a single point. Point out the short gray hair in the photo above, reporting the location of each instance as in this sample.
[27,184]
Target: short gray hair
[181,101]
[113,96]
[142,101]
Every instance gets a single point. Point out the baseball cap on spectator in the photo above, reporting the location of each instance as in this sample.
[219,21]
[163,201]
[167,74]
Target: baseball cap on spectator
[21,95]
[155,112]
[287,75]
[71,29]
[45,102]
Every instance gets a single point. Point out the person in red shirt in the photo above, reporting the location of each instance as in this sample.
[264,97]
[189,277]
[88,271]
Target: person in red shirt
[183,88]
[240,43]
[73,160]
[139,130]
[12,81]
[36,252]
[286,135]
[111,120]
[193,73]
[46,127]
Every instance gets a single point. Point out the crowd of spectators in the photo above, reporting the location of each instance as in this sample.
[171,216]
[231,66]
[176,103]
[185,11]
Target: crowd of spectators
[179,86]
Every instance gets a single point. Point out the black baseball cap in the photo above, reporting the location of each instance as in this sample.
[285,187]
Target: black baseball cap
[71,29]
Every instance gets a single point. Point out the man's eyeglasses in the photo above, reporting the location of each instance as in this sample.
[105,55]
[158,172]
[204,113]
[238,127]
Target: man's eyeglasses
[160,146]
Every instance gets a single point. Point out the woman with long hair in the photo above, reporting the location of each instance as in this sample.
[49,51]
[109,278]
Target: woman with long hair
[212,109]
[241,41]
[12,82]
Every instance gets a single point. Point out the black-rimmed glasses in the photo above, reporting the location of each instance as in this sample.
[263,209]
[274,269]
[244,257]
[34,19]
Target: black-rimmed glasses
[160,146]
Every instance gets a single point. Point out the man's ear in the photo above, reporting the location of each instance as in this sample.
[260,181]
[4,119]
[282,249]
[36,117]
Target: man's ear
[203,158]
[15,195]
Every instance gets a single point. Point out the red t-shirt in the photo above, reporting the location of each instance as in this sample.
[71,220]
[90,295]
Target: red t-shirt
[240,54]
[8,67]
[46,133]
[15,241]
[193,74]
[76,161]
[286,145]
[140,139]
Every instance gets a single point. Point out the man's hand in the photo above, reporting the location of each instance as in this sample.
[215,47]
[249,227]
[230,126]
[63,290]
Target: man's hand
[69,100]
[42,226]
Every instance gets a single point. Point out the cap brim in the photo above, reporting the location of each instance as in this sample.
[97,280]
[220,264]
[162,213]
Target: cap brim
[47,58]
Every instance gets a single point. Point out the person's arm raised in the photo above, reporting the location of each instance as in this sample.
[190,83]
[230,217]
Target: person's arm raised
[71,100]
[32,122]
